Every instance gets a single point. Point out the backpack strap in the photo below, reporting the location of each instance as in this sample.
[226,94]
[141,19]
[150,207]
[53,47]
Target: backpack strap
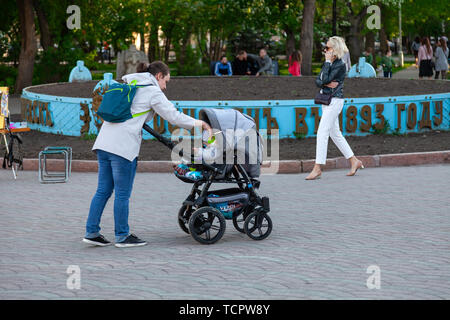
[134,83]
[140,114]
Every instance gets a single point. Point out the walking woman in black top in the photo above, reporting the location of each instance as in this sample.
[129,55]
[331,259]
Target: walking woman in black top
[331,80]
[425,59]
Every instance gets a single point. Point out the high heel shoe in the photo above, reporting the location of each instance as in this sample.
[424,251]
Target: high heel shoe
[316,177]
[360,166]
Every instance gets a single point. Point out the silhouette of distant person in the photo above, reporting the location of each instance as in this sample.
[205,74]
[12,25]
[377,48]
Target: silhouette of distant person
[223,67]
[264,62]
[295,63]
[241,65]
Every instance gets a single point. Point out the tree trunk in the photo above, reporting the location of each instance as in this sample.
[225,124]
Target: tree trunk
[383,36]
[46,37]
[217,50]
[290,42]
[202,44]
[354,48]
[370,43]
[101,52]
[307,36]
[319,53]
[142,45]
[370,40]
[181,55]
[167,49]
[153,49]
[383,41]
[407,46]
[28,45]
[168,33]
[211,48]
[355,37]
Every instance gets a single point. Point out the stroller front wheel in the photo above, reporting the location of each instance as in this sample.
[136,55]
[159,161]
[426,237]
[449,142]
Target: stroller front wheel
[184,214]
[207,225]
[239,220]
[258,225]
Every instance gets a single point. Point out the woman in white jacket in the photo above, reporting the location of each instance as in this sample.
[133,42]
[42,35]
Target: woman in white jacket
[117,147]
[441,54]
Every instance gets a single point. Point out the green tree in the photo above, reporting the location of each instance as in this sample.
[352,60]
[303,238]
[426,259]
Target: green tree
[28,46]
[307,35]
[426,18]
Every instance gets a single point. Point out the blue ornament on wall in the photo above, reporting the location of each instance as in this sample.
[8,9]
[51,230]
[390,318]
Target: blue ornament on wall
[362,70]
[80,73]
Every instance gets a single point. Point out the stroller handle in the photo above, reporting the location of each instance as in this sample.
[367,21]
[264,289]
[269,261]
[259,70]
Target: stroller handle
[159,137]
[168,143]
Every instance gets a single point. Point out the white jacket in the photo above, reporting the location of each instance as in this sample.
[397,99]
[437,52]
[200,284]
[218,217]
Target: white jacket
[441,59]
[124,138]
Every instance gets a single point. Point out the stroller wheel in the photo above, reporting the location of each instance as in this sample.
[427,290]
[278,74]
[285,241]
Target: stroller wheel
[184,214]
[238,222]
[207,225]
[258,225]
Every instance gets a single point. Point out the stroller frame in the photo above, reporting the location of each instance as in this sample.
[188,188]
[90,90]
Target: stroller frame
[205,223]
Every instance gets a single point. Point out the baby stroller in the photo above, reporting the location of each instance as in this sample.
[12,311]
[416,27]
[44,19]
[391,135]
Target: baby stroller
[204,213]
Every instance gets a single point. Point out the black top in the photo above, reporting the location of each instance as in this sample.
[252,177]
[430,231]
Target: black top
[254,66]
[330,72]
[240,67]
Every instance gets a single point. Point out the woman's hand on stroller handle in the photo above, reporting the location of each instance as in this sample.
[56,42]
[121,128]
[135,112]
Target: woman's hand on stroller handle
[204,126]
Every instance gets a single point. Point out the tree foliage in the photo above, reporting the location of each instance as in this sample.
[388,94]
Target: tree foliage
[199,31]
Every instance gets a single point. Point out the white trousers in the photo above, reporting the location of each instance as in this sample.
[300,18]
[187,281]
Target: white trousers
[329,127]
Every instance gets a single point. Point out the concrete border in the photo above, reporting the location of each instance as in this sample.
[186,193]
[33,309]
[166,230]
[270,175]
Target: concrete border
[284,166]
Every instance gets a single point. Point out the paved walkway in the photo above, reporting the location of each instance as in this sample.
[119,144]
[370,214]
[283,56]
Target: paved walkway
[409,73]
[327,233]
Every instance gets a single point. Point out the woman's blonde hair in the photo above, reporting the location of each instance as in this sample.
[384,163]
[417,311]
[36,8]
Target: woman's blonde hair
[339,46]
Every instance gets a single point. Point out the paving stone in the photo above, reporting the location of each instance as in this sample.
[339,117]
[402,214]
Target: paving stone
[326,234]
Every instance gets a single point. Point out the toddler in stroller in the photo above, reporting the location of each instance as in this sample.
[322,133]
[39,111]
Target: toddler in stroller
[233,156]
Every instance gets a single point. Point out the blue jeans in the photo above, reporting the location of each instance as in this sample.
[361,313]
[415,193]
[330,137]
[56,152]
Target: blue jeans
[114,173]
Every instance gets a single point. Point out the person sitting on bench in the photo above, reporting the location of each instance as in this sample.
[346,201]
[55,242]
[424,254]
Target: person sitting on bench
[223,67]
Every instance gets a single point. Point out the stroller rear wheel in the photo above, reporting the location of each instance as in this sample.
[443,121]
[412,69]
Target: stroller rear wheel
[184,214]
[258,225]
[207,225]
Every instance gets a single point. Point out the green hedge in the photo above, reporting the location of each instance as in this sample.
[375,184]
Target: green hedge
[8,77]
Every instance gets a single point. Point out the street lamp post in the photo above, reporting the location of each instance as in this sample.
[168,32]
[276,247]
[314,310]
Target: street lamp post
[400,49]
[334,17]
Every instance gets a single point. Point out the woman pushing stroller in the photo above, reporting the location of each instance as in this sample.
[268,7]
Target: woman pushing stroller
[117,147]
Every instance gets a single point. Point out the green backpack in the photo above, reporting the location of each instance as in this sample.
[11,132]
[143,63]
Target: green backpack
[116,102]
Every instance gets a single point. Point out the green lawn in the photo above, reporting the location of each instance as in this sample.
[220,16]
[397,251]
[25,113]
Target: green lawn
[101,68]
[405,66]
[283,67]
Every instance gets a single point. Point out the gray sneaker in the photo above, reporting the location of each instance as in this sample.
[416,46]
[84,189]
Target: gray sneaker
[131,241]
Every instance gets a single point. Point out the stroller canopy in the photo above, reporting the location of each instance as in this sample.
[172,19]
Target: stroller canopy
[236,132]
